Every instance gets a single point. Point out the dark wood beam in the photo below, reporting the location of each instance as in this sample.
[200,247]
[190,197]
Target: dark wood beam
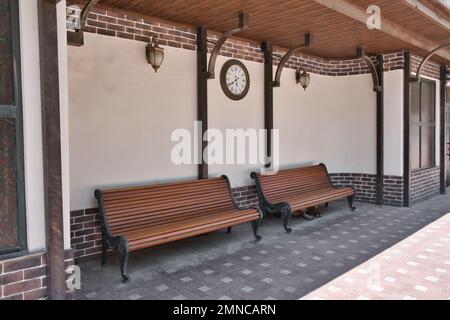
[380,130]
[267,49]
[202,93]
[406,129]
[51,139]
[444,149]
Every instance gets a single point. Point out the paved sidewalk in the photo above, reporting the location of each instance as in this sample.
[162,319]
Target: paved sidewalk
[281,266]
[416,268]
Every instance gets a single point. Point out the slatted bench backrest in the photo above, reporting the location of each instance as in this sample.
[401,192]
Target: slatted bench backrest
[151,206]
[295,181]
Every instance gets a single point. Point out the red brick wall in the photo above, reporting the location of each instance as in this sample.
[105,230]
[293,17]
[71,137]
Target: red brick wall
[85,232]
[365,186]
[25,278]
[431,69]
[424,184]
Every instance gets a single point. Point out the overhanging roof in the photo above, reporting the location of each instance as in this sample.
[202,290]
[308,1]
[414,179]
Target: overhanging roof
[284,23]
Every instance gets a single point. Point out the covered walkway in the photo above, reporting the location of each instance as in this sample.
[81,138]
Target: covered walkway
[281,266]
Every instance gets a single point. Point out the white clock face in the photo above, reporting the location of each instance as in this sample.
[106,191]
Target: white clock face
[236,79]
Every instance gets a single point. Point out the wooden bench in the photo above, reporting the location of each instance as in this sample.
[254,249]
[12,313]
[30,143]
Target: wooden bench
[297,189]
[142,217]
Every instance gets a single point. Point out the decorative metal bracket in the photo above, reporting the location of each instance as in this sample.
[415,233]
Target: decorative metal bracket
[377,87]
[77,38]
[308,43]
[416,78]
[244,20]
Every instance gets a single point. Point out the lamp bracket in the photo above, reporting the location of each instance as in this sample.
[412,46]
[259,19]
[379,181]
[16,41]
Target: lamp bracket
[416,78]
[307,44]
[77,38]
[244,20]
[361,53]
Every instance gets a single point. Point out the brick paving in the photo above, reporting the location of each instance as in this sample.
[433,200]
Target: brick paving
[281,266]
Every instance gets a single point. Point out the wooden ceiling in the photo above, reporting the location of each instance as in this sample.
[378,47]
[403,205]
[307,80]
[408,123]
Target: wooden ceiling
[439,7]
[284,22]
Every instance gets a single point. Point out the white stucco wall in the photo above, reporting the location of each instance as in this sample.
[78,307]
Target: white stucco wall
[31,94]
[122,115]
[244,114]
[64,114]
[393,123]
[333,122]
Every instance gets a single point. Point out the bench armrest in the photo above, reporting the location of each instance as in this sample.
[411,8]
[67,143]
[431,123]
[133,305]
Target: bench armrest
[264,202]
[329,179]
[233,198]
[106,231]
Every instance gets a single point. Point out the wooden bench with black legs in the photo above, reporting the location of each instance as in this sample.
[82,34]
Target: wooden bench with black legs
[297,189]
[142,217]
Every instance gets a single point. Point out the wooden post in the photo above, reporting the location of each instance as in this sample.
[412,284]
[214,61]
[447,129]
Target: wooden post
[202,94]
[380,131]
[267,49]
[51,140]
[406,129]
[443,130]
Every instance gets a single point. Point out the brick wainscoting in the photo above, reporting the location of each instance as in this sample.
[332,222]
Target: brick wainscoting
[366,186]
[424,184]
[25,278]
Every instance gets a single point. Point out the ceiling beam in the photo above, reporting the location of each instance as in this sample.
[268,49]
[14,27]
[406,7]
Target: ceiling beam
[357,13]
[441,6]
[429,13]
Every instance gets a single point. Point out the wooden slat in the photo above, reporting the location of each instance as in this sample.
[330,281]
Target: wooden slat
[302,187]
[150,215]
[284,22]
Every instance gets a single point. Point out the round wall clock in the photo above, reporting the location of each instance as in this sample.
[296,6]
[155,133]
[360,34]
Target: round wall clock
[235,80]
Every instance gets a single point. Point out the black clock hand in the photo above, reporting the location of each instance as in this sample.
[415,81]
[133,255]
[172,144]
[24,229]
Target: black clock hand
[234,81]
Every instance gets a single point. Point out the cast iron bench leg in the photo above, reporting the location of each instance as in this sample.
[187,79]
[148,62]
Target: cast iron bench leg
[104,250]
[229,230]
[286,213]
[350,202]
[255,225]
[121,244]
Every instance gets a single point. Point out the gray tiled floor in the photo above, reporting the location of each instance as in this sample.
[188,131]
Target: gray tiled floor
[281,266]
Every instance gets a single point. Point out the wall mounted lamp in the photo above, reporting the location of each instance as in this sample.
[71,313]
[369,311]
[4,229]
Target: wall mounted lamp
[303,77]
[155,54]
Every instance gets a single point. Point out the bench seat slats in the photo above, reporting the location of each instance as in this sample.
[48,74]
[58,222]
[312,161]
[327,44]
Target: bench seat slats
[298,189]
[153,236]
[146,193]
[121,226]
[310,199]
